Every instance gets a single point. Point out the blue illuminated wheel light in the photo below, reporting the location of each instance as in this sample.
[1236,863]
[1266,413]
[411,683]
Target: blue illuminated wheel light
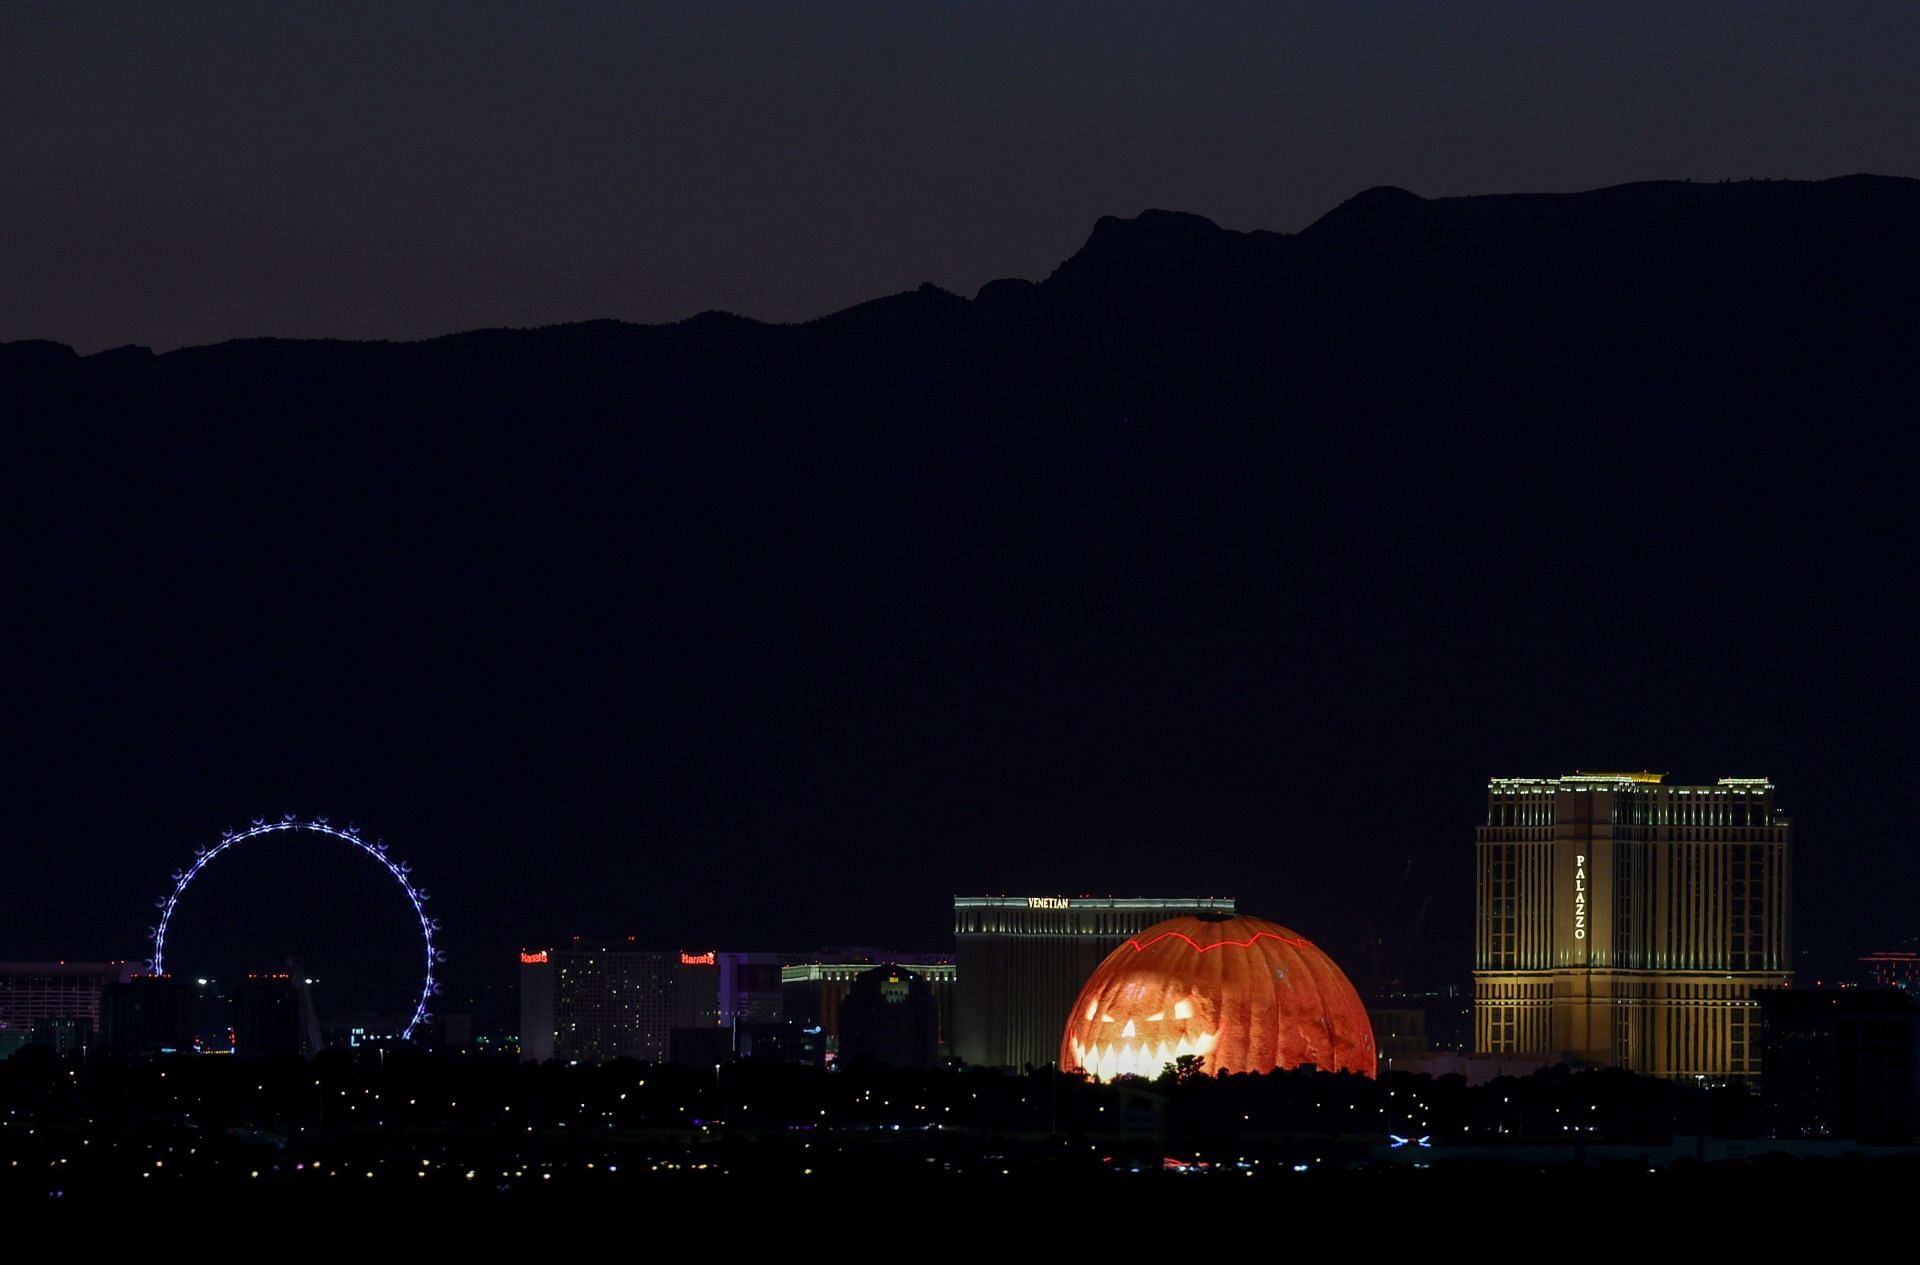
[417,896]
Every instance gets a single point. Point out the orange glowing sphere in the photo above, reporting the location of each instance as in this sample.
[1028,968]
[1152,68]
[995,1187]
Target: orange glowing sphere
[1244,994]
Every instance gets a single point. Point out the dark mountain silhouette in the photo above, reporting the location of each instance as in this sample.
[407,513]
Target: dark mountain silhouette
[1214,561]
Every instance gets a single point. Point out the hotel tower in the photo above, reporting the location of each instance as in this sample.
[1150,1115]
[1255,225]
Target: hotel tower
[1622,921]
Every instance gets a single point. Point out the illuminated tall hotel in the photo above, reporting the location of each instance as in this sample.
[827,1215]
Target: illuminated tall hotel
[1622,921]
[599,999]
[1020,962]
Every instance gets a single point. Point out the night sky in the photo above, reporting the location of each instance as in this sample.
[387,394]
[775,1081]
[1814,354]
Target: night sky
[193,173]
[712,685]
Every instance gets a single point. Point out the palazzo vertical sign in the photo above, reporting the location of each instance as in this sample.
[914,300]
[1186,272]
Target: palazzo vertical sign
[1579,897]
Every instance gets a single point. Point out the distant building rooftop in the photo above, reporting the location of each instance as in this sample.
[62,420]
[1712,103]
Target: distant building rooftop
[1511,785]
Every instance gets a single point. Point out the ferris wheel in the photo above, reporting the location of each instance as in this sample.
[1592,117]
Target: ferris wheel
[319,826]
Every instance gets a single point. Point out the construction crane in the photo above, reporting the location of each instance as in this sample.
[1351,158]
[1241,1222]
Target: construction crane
[1388,966]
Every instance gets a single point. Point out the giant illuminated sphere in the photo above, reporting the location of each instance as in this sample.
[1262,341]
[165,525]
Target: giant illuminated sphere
[1244,994]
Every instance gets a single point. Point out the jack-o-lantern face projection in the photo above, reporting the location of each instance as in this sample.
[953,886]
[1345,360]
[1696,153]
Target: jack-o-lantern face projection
[1243,994]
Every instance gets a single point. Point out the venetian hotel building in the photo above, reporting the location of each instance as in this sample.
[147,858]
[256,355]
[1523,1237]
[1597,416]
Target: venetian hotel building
[1623,921]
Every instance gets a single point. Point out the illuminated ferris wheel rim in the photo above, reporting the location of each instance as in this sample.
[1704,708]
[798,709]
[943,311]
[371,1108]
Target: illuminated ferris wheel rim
[376,849]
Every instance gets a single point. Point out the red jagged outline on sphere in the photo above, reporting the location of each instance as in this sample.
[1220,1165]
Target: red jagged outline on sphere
[1298,942]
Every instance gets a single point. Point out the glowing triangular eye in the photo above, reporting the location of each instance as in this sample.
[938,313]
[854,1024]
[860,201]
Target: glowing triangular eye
[1183,1010]
[1157,1016]
[1106,1018]
[1093,1008]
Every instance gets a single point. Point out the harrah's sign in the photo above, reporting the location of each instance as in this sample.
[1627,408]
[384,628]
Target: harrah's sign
[697,959]
[1579,897]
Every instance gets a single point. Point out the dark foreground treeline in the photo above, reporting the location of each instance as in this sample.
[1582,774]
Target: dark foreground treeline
[427,1123]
